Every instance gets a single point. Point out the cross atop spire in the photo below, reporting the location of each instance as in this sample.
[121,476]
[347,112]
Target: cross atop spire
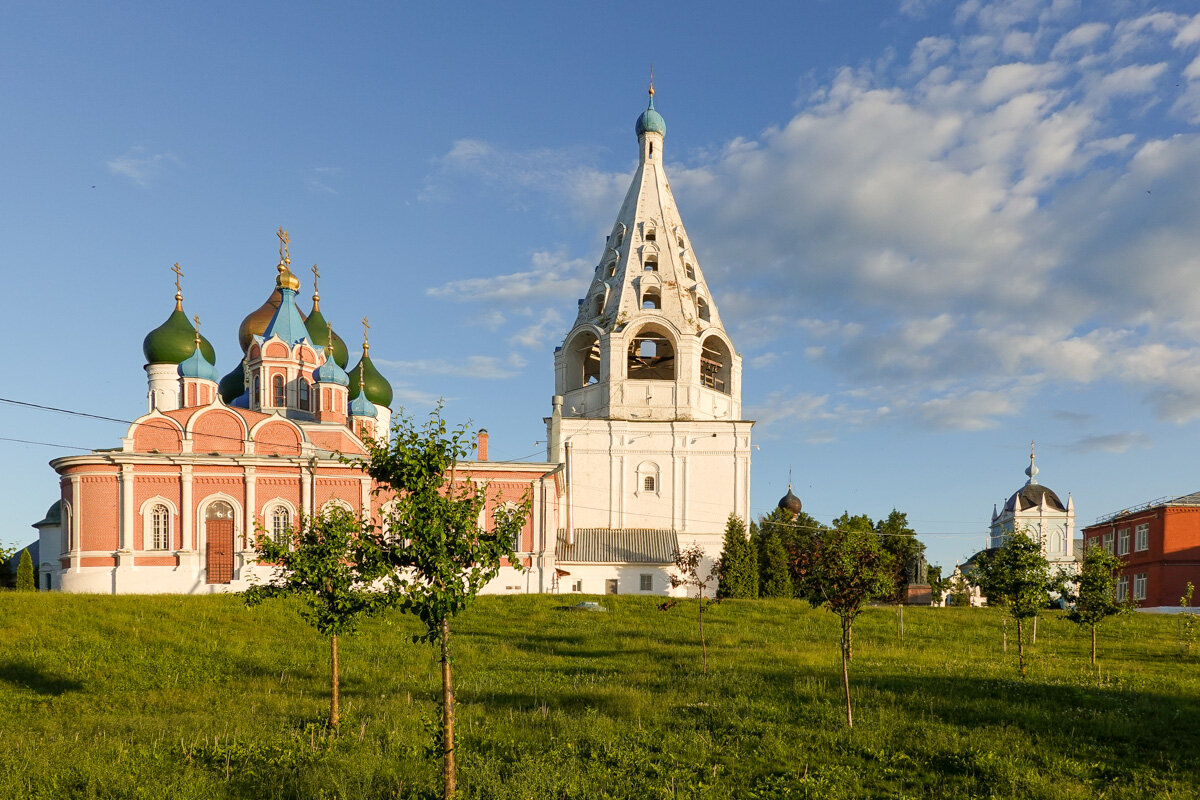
[651,83]
[366,344]
[285,258]
[316,294]
[1032,469]
[178,287]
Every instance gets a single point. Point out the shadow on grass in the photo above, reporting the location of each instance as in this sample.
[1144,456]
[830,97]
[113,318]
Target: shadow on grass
[36,680]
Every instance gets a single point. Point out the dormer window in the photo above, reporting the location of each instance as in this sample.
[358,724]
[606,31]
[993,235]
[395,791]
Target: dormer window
[690,271]
[651,299]
[651,264]
[651,235]
[702,308]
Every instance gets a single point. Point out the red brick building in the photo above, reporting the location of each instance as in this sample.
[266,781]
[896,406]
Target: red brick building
[1159,543]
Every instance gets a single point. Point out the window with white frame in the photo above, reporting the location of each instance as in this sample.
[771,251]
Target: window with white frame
[1108,541]
[1141,537]
[577,586]
[647,478]
[646,582]
[1139,586]
[1123,542]
[281,524]
[160,527]
[1122,588]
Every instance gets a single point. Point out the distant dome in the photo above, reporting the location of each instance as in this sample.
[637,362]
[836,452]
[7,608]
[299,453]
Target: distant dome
[53,515]
[790,503]
[197,366]
[331,372]
[651,121]
[318,332]
[1030,495]
[360,406]
[174,340]
[256,322]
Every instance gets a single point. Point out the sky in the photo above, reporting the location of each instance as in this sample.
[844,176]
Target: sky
[936,230]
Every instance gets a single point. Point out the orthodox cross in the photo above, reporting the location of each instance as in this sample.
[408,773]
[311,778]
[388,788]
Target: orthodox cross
[316,274]
[284,256]
[178,274]
[196,319]
[366,345]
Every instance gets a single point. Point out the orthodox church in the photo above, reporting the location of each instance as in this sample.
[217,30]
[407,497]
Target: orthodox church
[647,452]
[1038,511]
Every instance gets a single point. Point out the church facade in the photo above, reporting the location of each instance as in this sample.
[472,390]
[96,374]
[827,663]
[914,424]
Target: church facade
[647,452]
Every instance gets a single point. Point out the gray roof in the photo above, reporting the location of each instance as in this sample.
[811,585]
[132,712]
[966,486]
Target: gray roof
[618,545]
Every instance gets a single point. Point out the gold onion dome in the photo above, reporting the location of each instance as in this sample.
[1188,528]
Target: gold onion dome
[256,322]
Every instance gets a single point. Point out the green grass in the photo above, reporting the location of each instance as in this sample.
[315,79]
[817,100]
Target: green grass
[181,697]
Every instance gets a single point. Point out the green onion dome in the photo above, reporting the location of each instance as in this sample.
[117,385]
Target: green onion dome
[376,387]
[318,331]
[233,385]
[53,515]
[175,340]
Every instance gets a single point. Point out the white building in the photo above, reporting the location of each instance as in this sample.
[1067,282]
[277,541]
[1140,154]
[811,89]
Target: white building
[1038,511]
[647,407]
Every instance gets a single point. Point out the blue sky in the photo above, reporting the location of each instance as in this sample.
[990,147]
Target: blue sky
[935,230]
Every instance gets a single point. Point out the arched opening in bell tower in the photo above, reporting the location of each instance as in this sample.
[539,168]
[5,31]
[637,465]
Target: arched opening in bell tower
[715,364]
[651,299]
[583,360]
[651,355]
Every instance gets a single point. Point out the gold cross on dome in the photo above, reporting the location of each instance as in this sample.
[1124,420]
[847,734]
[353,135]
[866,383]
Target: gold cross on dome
[284,256]
[316,274]
[178,274]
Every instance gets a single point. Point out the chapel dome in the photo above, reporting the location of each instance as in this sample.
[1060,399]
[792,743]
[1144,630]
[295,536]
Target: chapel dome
[233,385]
[53,515]
[198,366]
[331,372]
[174,340]
[376,387]
[318,331]
[790,503]
[1031,495]
[360,406]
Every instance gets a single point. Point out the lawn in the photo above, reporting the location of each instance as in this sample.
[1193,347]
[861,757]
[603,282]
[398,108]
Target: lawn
[199,697]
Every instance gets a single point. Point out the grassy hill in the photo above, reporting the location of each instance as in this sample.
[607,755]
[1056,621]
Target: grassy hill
[177,697]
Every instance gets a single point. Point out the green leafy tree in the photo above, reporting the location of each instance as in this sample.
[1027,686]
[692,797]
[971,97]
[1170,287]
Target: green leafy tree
[6,575]
[1093,593]
[25,581]
[800,534]
[898,539]
[431,536]
[737,571]
[1187,619]
[330,564]
[937,584]
[1017,577]
[847,569]
[689,562]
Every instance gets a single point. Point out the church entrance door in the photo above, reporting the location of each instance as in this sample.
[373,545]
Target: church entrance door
[218,531]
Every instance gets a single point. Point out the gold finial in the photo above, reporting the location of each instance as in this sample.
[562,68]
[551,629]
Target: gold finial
[316,294]
[366,344]
[329,340]
[196,320]
[652,79]
[285,258]
[178,287]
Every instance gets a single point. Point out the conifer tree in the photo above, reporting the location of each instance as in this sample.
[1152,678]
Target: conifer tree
[25,573]
[738,568]
[1094,591]
[775,579]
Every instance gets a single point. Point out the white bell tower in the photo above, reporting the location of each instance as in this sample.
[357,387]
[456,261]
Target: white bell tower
[647,409]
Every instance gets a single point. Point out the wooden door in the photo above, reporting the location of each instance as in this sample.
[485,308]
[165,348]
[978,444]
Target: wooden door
[218,564]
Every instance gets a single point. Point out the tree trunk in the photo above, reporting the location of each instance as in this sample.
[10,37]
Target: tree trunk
[846,630]
[849,642]
[1093,643]
[901,607]
[703,646]
[1020,648]
[333,698]
[1004,632]
[447,715]
[1033,638]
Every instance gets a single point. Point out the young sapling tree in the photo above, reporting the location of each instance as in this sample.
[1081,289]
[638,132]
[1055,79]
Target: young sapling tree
[331,564]
[689,563]
[1092,594]
[1017,576]
[431,535]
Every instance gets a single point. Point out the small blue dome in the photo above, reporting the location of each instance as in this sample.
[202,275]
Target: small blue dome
[330,372]
[362,407]
[651,122]
[198,366]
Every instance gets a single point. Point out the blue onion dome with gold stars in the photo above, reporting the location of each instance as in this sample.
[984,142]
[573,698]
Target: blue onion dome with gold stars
[233,385]
[175,340]
[360,406]
[651,121]
[330,371]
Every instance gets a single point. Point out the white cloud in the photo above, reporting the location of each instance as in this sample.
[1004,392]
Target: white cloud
[554,276]
[1110,443]
[475,366]
[1082,37]
[141,166]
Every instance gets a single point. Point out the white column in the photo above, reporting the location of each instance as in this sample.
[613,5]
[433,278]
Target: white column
[76,521]
[307,486]
[251,509]
[365,484]
[125,479]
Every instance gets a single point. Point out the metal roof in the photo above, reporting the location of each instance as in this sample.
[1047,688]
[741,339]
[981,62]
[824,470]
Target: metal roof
[618,545]
[1192,499]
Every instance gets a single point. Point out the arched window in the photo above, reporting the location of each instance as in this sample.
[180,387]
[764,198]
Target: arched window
[715,364]
[302,389]
[278,397]
[690,271]
[257,389]
[336,502]
[160,526]
[648,483]
[702,309]
[651,299]
[647,479]
[597,305]
[583,361]
[651,356]
[652,149]
[281,524]
[651,234]
[612,269]
[651,264]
